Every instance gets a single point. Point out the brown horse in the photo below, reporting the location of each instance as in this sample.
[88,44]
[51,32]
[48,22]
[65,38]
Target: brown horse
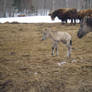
[64,14]
[83,13]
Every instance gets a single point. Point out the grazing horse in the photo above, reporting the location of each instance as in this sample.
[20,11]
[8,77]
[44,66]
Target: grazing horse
[56,37]
[85,26]
[64,14]
[82,13]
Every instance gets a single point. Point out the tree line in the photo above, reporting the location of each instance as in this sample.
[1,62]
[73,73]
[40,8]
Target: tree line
[11,8]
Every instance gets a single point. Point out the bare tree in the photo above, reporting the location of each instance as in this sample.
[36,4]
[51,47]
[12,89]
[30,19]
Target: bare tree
[36,7]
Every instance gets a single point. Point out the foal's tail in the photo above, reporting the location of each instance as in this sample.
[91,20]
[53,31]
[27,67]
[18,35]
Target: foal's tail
[71,42]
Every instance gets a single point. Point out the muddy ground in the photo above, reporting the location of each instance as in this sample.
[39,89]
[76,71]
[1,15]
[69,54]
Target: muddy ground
[26,64]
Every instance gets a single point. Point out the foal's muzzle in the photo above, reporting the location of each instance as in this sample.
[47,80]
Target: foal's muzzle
[43,39]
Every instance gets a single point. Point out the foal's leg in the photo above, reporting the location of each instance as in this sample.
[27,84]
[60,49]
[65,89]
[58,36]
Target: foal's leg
[69,52]
[56,51]
[69,46]
[54,47]
[53,50]
[69,49]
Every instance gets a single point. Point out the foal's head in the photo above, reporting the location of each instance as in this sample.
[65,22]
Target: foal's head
[45,34]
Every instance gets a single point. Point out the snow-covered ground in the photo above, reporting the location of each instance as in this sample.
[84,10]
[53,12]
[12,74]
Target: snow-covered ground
[30,19]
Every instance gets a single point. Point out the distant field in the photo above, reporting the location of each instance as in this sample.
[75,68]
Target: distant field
[26,64]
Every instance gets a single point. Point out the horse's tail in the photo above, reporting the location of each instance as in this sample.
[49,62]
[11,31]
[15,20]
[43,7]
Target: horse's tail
[71,42]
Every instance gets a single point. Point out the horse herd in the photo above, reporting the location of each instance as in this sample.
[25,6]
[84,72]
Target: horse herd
[72,14]
[66,38]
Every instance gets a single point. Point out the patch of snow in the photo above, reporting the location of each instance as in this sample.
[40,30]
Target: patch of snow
[61,63]
[30,19]
[35,73]
[73,61]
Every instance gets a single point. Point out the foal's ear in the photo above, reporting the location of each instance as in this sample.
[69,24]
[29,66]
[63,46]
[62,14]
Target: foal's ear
[43,30]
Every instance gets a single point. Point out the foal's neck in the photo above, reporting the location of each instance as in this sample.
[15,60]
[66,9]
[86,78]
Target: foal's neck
[52,35]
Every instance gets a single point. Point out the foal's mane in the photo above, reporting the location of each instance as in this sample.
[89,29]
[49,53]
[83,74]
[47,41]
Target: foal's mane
[50,31]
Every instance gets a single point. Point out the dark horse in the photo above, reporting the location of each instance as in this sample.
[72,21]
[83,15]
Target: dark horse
[85,26]
[64,14]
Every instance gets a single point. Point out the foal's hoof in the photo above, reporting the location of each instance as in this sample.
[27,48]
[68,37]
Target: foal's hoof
[57,54]
[68,57]
[52,54]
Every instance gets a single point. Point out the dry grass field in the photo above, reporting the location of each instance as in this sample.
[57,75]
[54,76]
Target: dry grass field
[26,63]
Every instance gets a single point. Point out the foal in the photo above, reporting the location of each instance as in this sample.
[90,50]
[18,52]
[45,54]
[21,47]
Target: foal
[56,37]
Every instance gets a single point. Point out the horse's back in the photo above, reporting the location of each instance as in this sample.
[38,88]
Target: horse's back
[63,36]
